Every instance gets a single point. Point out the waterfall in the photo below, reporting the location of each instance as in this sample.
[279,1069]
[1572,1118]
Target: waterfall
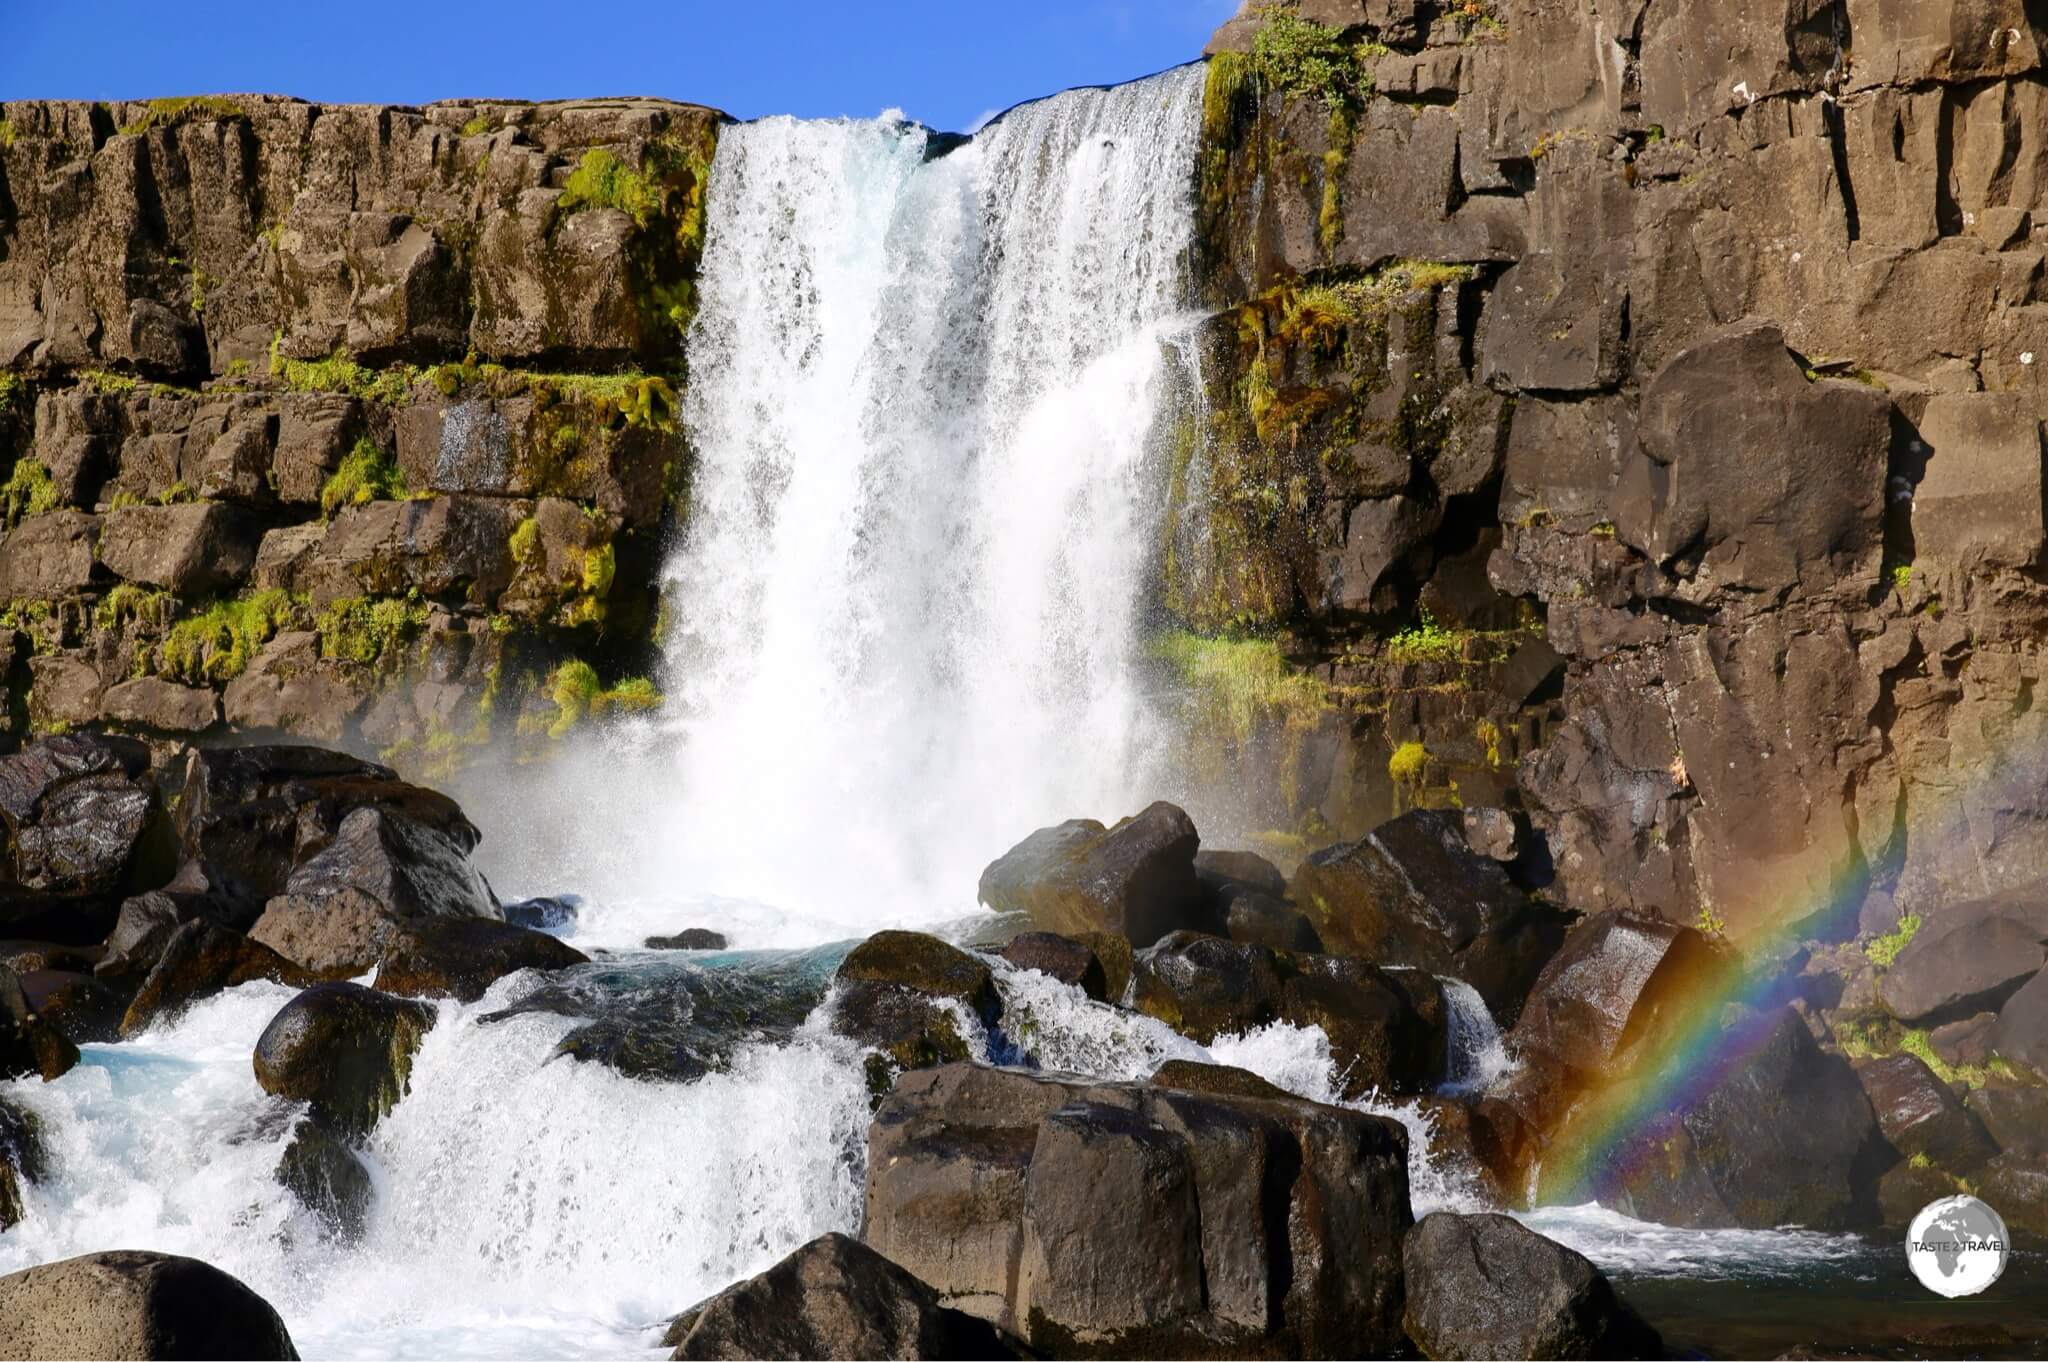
[904,612]
[1474,1055]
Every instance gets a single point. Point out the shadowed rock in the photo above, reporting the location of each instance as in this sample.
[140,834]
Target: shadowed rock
[132,1304]
[1483,1286]
[462,957]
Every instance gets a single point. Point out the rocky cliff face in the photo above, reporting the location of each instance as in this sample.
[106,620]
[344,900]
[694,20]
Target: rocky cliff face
[355,423]
[1705,335]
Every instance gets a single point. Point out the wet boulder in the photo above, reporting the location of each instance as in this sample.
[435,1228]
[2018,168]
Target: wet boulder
[1221,870]
[558,913]
[1213,1215]
[128,1303]
[1482,1286]
[83,829]
[1908,1186]
[83,1008]
[141,932]
[1074,963]
[1259,918]
[324,1174]
[340,907]
[1968,957]
[343,1049]
[834,1297]
[688,939]
[1386,1027]
[2016,1118]
[250,816]
[2017,1185]
[1614,990]
[21,1159]
[1113,949]
[199,960]
[461,957]
[1411,892]
[28,1043]
[1921,1115]
[1781,1135]
[1137,878]
[909,996]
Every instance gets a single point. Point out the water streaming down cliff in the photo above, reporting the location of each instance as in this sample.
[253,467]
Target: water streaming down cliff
[906,611]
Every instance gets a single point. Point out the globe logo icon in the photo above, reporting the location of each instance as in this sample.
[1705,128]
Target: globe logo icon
[1957,1246]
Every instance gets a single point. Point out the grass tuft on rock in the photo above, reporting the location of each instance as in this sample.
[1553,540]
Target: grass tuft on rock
[217,643]
[29,491]
[165,113]
[366,474]
[1884,949]
[365,629]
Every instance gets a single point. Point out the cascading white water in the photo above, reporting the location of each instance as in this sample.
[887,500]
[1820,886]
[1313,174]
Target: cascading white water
[1475,1056]
[906,608]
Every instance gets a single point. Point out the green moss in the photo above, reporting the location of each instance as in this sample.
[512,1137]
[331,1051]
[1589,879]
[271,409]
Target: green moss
[604,181]
[165,113]
[366,474]
[1901,575]
[1875,1038]
[1710,922]
[108,382]
[600,566]
[217,643]
[199,281]
[525,542]
[128,601]
[1232,684]
[1488,735]
[1300,56]
[1409,764]
[578,694]
[477,126]
[29,491]
[6,134]
[367,630]
[1426,641]
[639,399]
[340,374]
[1885,949]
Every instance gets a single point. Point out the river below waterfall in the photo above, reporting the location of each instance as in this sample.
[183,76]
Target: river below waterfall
[529,1204]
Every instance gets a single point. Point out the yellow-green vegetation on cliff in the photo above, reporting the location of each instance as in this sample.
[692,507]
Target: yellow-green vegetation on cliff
[338,373]
[1425,641]
[1878,1037]
[369,630]
[1409,764]
[28,491]
[128,604]
[216,643]
[1884,949]
[579,694]
[366,474]
[1234,684]
[165,113]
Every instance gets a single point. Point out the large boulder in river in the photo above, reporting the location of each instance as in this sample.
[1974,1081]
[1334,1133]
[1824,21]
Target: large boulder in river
[1482,1286]
[343,1049]
[1969,957]
[29,1044]
[461,957]
[1137,878]
[907,995]
[834,1297]
[1411,892]
[83,829]
[1386,1027]
[1140,1218]
[200,960]
[1071,961]
[131,1304]
[249,816]
[339,909]
[1754,1127]
[1921,1115]
[1614,990]
[324,1174]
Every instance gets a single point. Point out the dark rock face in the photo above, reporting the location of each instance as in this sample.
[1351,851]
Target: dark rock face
[80,1006]
[345,1050]
[1484,1286]
[2021,1032]
[340,907]
[560,912]
[1208,1215]
[329,1180]
[82,829]
[132,1304]
[462,957]
[1920,1114]
[2017,1184]
[1971,957]
[1412,893]
[1386,1027]
[834,1297]
[21,1159]
[1071,962]
[689,939]
[1137,878]
[28,1043]
[1260,919]
[1783,1136]
[1221,870]
[1907,1187]
[197,961]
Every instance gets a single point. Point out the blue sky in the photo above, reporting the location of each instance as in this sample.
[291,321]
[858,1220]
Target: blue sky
[945,64]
